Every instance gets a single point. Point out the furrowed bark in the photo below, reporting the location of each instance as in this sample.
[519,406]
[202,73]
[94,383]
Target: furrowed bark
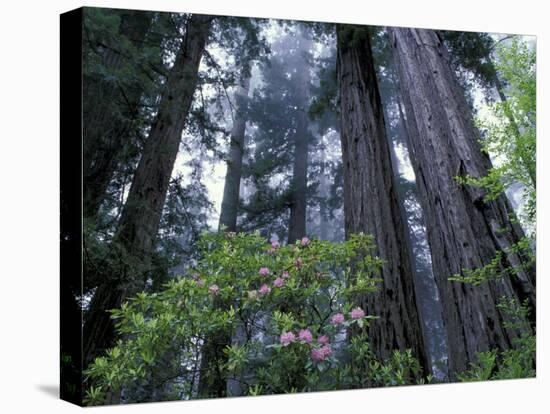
[370,199]
[140,218]
[464,230]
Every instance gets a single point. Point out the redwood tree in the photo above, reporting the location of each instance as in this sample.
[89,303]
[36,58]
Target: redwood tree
[140,218]
[465,230]
[370,199]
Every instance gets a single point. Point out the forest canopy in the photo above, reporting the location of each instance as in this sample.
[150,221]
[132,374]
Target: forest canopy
[276,206]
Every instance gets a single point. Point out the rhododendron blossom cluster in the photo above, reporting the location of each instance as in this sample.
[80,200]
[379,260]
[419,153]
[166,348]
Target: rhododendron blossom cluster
[264,289]
[287,338]
[320,354]
[338,319]
[279,282]
[305,335]
[357,313]
[317,353]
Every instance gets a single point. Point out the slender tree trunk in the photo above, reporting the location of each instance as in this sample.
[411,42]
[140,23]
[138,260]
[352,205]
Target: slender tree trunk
[464,230]
[142,211]
[370,200]
[231,191]
[323,195]
[297,223]
[211,382]
[105,131]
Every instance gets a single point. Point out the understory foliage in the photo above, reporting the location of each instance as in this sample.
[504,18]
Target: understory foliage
[516,362]
[294,326]
[290,310]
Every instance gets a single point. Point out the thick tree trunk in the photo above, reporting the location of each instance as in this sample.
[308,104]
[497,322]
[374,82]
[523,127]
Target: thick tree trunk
[464,230]
[370,200]
[142,211]
[105,130]
[429,305]
[297,222]
[231,190]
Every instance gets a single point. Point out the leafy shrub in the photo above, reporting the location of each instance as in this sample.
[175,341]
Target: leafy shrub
[288,309]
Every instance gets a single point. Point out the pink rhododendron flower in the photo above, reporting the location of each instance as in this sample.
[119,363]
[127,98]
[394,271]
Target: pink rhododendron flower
[323,340]
[264,289]
[287,338]
[305,335]
[338,319]
[264,271]
[304,242]
[317,355]
[279,282]
[357,313]
[320,354]
[275,244]
[326,350]
[286,275]
[214,289]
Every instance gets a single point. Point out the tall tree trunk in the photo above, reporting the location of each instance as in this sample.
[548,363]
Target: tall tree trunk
[211,382]
[464,230]
[323,196]
[105,130]
[297,222]
[231,190]
[142,211]
[370,200]
[429,306]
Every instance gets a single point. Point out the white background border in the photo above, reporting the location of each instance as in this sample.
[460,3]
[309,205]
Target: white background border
[29,174]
